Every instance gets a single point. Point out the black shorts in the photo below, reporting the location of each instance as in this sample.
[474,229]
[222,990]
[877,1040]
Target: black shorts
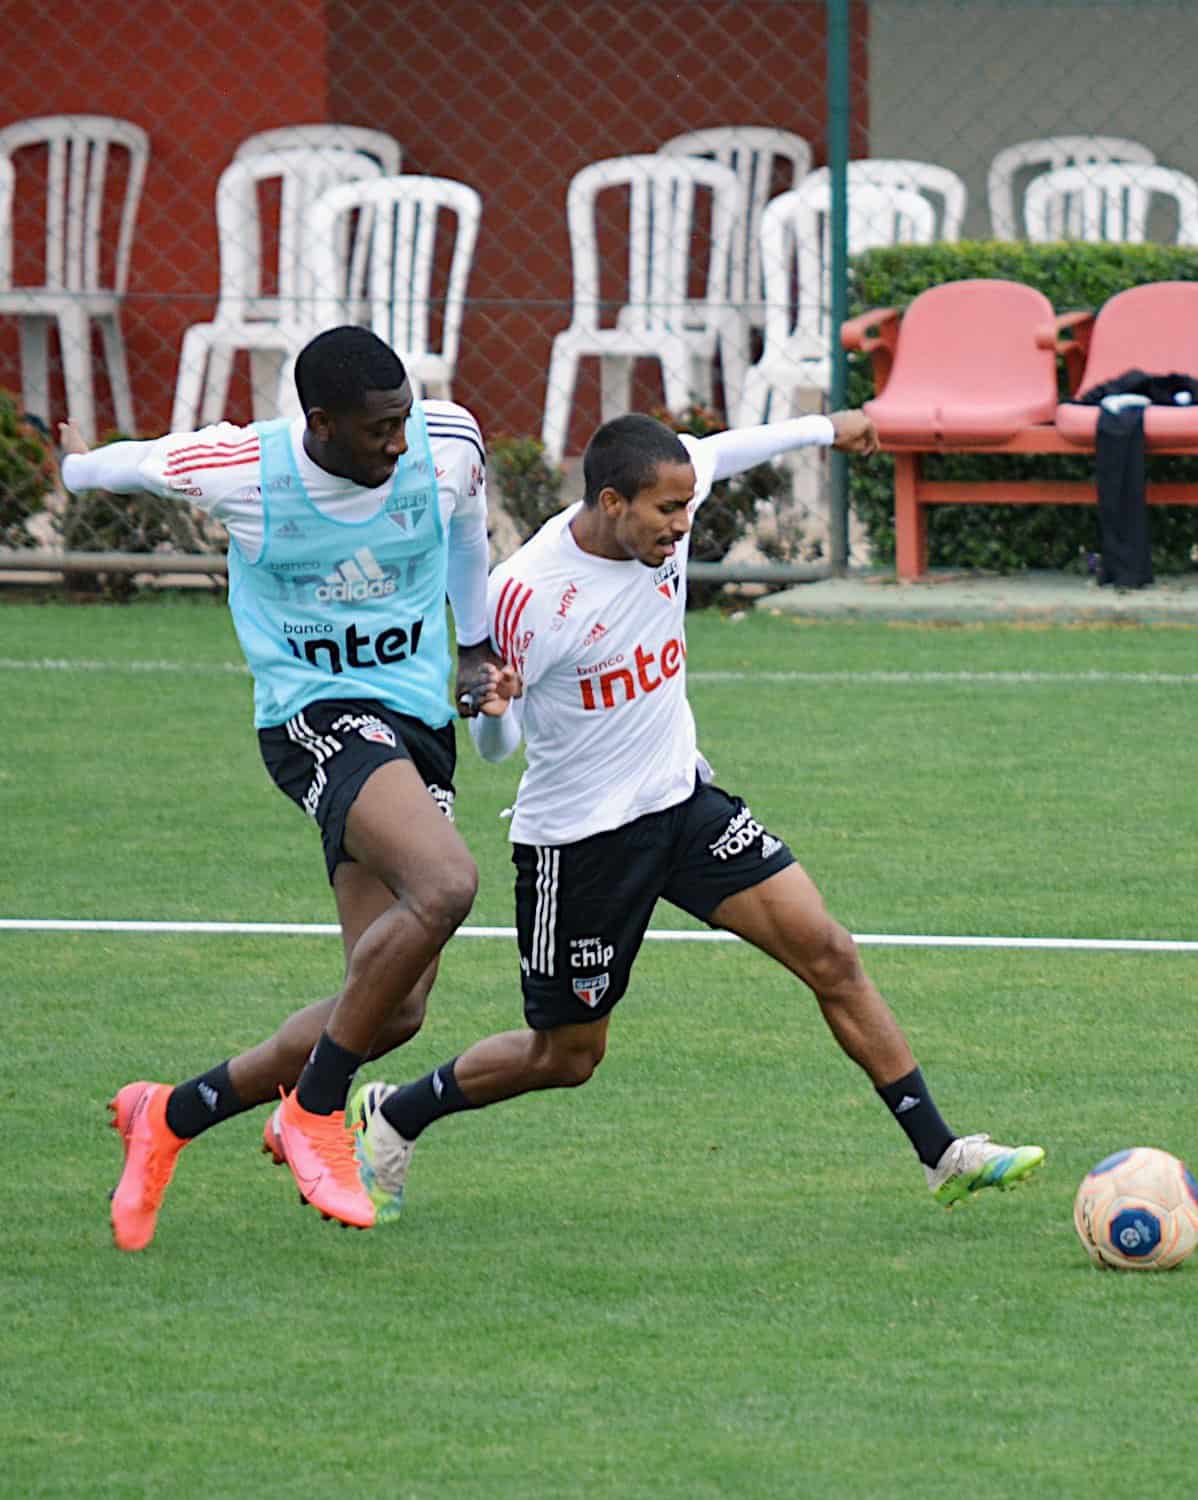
[582,909]
[322,757]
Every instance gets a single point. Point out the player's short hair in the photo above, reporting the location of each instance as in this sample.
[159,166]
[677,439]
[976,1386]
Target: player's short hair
[624,455]
[336,369]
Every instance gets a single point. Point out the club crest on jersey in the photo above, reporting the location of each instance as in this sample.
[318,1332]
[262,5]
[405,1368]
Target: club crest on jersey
[378,733]
[591,989]
[665,580]
[407,511]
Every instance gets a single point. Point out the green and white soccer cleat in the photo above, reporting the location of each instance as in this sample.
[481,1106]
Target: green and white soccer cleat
[974,1162]
[383,1154]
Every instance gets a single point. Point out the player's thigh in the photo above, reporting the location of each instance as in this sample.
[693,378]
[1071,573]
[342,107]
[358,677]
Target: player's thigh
[785,916]
[396,831]
[581,914]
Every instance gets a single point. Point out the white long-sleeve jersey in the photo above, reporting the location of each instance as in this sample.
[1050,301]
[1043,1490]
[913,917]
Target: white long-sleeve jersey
[600,646]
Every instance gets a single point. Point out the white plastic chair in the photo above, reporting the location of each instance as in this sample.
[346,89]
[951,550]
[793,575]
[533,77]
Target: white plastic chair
[83,279]
[389,284]
[1108,202]
[1045,155]
[384,148]
[796,256]
[659,320]
[754,153]
[8,179]
[271,326]
[944,190]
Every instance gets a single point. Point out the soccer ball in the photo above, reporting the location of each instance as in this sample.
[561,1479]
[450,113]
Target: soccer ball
[1137,1211]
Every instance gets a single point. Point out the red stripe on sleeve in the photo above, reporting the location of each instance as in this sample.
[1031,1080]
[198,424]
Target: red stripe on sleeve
[515,625]
[211,456]
[204,465]
[506,594]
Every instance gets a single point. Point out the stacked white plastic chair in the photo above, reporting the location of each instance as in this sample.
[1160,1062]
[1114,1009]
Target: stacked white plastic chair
[1014,164]
[384,148]
[662,250]
[760,157]
[1108,202]
[391,281]
[941,186]
[270,325]
[84,277]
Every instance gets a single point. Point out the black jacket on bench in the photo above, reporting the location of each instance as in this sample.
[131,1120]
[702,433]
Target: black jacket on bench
[1119,472]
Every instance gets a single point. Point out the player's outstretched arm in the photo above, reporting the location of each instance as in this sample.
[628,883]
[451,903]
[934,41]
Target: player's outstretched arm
[118,467]
[115,467]
[726,453]
[855,433]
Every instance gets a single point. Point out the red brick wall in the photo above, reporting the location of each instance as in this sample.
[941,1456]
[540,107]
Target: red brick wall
[513,99]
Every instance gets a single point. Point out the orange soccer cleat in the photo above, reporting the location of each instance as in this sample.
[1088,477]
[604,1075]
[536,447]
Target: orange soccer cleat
[151,1150]
[272,1141]
[320,1152]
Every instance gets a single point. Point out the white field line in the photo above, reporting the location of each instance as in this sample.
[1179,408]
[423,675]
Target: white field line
[1015,679]
[658,935]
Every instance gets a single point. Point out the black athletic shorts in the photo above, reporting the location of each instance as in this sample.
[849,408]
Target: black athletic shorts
[582,909]
[322,757]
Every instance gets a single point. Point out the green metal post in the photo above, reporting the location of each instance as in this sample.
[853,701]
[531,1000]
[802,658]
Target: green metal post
[838,156]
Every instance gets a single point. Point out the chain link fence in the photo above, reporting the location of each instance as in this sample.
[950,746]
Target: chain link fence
[553,211]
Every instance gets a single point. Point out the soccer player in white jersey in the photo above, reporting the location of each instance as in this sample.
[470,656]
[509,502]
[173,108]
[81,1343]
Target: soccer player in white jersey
[617,808]
[347,528]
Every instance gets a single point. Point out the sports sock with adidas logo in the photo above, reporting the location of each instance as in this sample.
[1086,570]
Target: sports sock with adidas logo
[909,1101]
[200,1103]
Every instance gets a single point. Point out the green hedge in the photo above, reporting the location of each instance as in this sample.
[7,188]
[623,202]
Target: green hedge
[1005,538]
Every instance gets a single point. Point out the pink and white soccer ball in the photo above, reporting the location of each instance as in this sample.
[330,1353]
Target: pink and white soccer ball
[1138,1211]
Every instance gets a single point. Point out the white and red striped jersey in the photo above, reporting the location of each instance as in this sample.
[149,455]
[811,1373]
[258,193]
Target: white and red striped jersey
[216,470]
[601,648]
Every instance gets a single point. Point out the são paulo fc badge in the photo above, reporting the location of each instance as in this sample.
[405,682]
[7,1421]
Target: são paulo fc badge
[378,732]
[665,580]
[591,989]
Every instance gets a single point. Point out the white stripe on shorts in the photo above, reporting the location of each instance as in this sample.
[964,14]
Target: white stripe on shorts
[545,916]
[322,747]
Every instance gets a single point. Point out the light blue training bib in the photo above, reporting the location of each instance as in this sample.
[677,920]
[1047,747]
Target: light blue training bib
[334,609]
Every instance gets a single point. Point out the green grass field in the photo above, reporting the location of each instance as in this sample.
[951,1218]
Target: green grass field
[713,1272]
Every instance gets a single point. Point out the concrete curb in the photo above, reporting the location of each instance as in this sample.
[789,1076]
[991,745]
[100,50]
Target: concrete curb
[1060,598]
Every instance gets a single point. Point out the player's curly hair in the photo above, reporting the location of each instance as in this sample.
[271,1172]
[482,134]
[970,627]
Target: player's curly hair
[336,369]
[624,455]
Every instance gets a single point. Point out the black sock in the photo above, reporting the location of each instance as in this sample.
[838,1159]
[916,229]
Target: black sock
[909,1101]
[323,1086]
[194,1106]
[415,1106]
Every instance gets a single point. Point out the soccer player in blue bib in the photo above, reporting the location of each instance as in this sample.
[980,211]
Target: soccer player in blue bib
[347,529]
